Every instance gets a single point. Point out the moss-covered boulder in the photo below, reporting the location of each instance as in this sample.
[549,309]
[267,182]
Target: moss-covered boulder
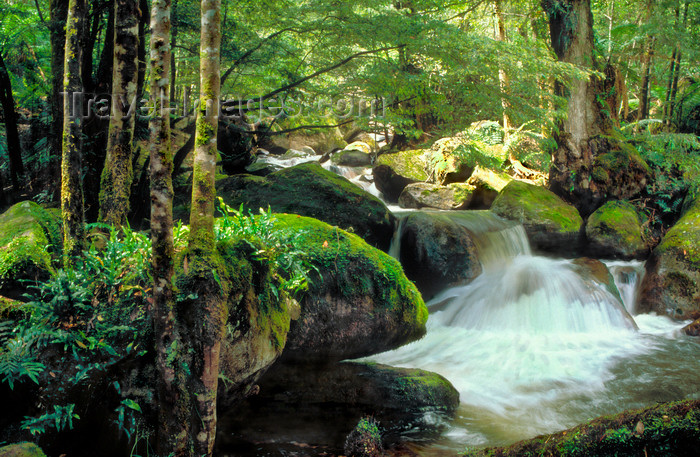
[389,183]
[360,303]
[487,184]
[453,196]
[618,171]
[351,158]
[258,320]
[615,231]
[668,429]
[310,190]
[672,282]
[321,405]
[551,224]
[322,141]
[21,450]
[409,163]
[29,236]
[436,252]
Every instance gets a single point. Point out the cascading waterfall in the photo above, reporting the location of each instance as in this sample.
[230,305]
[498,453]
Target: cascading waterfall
[533,347]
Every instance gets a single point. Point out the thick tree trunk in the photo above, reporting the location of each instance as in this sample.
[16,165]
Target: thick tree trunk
[117,174]
[173,416]
[72,209]
[571,28]
[14,148]
[209,311]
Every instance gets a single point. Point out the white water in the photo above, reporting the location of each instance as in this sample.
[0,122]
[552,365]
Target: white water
[532,348]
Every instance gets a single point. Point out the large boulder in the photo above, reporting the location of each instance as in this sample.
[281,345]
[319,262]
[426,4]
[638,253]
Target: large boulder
[453,196]
[672,281]
[551,224]
[389,183]
[29,236]
[351,158]
[615,231]
[360,303]
[321,141]
[487,184]
[409,163]
[259,319]
[436,252]
[320,405]
[310,190]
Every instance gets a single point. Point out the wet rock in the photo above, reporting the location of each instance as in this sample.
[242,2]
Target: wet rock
[29,236]
[365,440]
[359,302]
[436,252]
[351,158]
[551,224]
[615,231]
[455,196]
[309,190]
[672,282]
[262,168]
[487,184]
[321,405]
[389,183]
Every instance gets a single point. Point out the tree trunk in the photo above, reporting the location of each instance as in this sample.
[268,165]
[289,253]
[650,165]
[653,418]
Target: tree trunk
[173,401]
[14,148]
[117,173]
[208,313]
[57,31]
[72,209]
[571,29]
[646,59]
[502,75]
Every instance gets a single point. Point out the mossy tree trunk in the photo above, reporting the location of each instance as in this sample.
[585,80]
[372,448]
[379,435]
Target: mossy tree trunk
[117,174]
[14,148]
[72,209]
[57,30]
[172,437]
[571,30]
[206,315]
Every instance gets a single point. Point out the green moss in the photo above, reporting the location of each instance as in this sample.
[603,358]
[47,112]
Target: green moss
[29,235]
[310,190]
[21,450]
[357,268]
[618,226]
[684,238]
[670,429]
[409,164]
[528,203]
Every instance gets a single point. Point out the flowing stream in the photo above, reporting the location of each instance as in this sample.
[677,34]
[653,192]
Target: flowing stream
[533,348]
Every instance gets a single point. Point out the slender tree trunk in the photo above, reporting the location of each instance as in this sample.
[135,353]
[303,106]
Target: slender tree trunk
[145,20]
[117,174]
[502,75]
[207,328]
[105,68]
[72,209]
[59,13]
[173,66]
[646,60]
[677,70]
[14,148]
[173,415]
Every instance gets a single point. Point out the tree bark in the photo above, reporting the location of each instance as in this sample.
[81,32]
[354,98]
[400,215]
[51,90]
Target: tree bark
[117,174]
[72,209]
[646,60]
[14,148]
[173,415]
[207,326]
[502,75]
[57,32]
